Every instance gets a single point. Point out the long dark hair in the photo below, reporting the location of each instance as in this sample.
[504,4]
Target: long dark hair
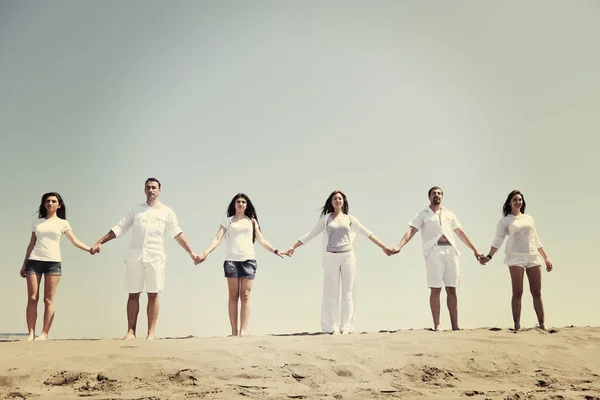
[61,212]
[250,211]
[506,208]
[328,207]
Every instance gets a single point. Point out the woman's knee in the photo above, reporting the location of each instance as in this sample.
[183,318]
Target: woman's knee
[245,295]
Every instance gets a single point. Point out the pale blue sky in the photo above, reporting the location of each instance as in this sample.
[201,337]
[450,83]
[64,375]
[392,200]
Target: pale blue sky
[287,101]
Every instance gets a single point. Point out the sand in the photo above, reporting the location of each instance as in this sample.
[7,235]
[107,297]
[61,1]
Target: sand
[479,364]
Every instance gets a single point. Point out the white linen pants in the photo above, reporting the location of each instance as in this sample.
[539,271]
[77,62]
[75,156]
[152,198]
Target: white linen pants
[339,270]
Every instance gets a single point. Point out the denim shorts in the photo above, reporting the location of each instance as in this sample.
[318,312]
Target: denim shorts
[240,269]
[43,267]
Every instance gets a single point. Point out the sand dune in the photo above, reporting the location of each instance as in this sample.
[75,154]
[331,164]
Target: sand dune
[480,364]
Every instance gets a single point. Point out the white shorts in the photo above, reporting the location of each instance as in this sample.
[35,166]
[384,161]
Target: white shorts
[139,273]
[442,267]
[523,260]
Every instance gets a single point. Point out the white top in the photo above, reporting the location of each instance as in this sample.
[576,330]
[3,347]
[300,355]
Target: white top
[150,224]
[355,228]
[47,238]
[238,239]
[338,234]
[433,226]
[522,236]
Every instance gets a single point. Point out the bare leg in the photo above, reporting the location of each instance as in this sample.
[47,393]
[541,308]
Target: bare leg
[516,276]
[534,274]
[233,284]
[133,308]
[152,311]
[452,303]
[50,285]
[246,288]
[33,295]
[434,304]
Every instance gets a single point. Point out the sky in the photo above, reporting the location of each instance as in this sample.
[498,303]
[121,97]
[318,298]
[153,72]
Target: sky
[287,101]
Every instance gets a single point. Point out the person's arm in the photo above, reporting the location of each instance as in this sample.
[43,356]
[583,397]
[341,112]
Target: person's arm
[106,238]
[263,242]
[173,230]
[501,233]
[213,245]
[180,238]
[30,247]
[540,248]
[405,239]
[467,241]
[318,228]
[77,243]
[116,231]
[360,229]
[382,246]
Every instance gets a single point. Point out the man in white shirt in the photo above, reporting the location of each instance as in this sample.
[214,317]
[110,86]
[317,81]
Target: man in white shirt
[438,225]
[145,259]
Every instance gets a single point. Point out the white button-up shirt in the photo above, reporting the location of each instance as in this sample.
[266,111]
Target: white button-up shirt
[428,223]
[150,224]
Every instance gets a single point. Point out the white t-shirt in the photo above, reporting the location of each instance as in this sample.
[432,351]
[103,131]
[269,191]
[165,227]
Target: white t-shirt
[47,238]
[238,239]
[522,236]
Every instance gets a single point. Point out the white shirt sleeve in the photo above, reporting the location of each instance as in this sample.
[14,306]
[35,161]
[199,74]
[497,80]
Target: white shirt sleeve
[536,239]
[501,233]
[417,221]
[360,228]
[455,223]
[318,228]
[226,222]
[124,224]
[172,226]
[66,226]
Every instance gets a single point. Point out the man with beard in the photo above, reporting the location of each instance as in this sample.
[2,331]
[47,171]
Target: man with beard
[438,225]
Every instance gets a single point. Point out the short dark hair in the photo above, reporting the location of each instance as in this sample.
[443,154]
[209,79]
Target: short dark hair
[152,180]
[433,188]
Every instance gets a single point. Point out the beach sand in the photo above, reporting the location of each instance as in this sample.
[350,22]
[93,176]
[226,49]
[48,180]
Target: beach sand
[479,364]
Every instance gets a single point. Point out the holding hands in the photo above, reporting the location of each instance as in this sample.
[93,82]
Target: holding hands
[95,249]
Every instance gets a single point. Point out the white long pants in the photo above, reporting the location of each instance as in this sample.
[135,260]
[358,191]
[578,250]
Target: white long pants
[338,268]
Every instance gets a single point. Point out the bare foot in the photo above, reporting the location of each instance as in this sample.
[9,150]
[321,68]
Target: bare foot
[150,336]
[345,333]
[543,327]
[129,336]
[31,337]
[336,332]
[455,328]
[437,328]
[43,336]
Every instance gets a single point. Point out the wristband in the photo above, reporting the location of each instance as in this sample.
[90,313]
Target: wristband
[276,251]
[489,256]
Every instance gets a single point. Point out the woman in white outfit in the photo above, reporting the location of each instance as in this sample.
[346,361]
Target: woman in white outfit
[523,255]
[339,263]
[240,229]
[43,258]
